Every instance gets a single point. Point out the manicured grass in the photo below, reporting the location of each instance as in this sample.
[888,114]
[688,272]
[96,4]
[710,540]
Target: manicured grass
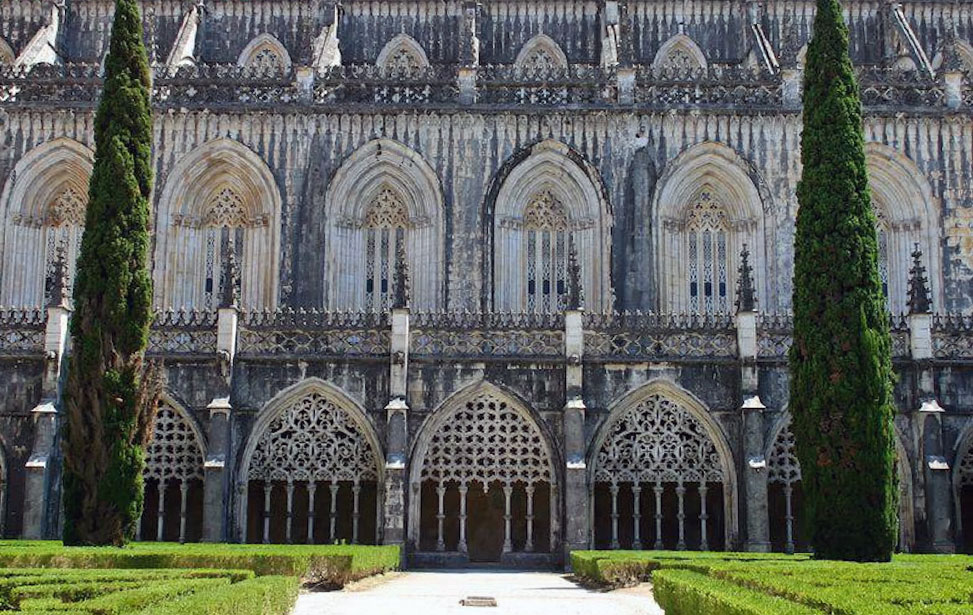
[314,564]
[687,583]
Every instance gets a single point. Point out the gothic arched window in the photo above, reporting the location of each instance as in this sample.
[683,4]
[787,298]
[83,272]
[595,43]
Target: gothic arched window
[386,221]
[224,223]
[706,238]
[541,54]
[43,220]
[546,229]
[265,55]
[402,56]
[882,232]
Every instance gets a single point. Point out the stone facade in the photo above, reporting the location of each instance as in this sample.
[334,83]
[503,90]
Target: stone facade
[465,276]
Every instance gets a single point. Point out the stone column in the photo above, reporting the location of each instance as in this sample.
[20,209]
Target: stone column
[397,414]
[577,524]
[216,491]
[753,483]
[38,489]
[935,472]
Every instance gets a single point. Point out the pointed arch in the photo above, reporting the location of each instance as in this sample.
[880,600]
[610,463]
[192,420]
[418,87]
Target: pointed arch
[312,433]
[964,53]
[963,482]
[541,53]
[680,53]
[265,54]
[44,202]
[402,54]
[780,448]
[707,205]
[908,213]
[551,184]
[481,435]
[220,197]
[384,194]
[7,55]
[173,476]
[614,455]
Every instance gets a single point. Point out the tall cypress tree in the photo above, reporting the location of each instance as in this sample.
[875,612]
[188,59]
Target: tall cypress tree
[110,399]
[841,368]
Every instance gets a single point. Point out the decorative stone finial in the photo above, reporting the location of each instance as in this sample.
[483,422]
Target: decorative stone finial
[746,294]
[403,286]
[57,279]
[231,281]
[919,301]
[575,287]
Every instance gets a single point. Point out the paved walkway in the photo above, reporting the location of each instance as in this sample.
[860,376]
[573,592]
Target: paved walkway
[440,593]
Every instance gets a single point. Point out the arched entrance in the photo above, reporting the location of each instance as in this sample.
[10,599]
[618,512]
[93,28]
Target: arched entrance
[483,483]
[785,497]
[662,475]
[963,486]
[173,478]
[311,471]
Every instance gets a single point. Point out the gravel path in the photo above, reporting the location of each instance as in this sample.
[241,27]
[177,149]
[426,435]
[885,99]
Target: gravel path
[440,593]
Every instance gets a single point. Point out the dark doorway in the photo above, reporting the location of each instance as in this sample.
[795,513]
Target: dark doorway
[486,522]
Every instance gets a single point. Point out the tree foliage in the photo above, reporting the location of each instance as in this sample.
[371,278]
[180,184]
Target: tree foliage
[841,369]
[111,397]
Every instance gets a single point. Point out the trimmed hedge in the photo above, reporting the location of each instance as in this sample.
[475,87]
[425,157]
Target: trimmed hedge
[316,564]
[687,583]
[270,595]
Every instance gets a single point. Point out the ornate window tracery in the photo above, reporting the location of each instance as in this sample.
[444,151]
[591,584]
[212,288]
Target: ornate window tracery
[320,453]
[313,439]
[966,469]
[403,61]
[173,473]
[784,470]
[656,448]
[546,226]
[679,60]
[223,225]
[64,224]
[882,230]
[707,229]
[386,221]
[539,60]
[267,61]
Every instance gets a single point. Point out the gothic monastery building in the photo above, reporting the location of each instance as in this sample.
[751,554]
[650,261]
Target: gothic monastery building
[493,280]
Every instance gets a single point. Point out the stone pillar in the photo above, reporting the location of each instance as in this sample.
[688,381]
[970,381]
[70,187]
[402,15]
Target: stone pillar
[793,86]
[953,80]
[305,82]
[226,332]
[467,85]
[397,415]
[577,525]
[935,472]
[753,483]
[215,481]
[38,489]
[626,85]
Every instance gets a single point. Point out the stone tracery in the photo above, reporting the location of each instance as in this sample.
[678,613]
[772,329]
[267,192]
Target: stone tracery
[68,208]
[784,469]
[173,467]
[659,447]
[480,445]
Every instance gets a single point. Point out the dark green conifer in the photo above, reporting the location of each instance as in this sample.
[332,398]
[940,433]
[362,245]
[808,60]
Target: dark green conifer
[110,399]
[841,369]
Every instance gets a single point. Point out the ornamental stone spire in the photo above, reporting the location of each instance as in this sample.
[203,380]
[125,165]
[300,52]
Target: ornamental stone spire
[575,299]
[231,281]
[57,280]
[403,286]
[919,301]
[746,294]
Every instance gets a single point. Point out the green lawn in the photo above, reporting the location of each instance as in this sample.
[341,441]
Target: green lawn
[687,583]
[46,578]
